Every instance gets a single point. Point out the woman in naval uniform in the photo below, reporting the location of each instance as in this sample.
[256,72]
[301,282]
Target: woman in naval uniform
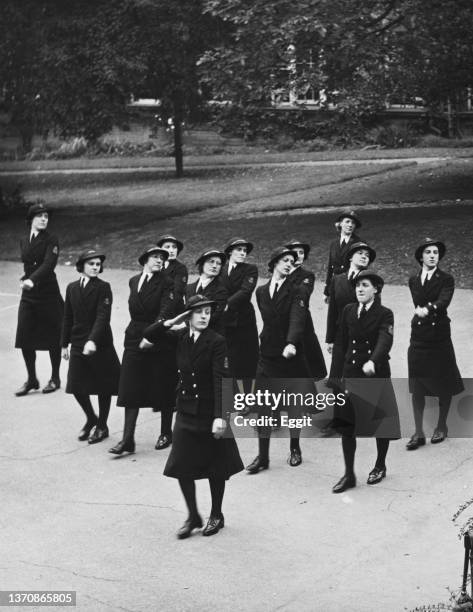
[346,224]
[41,306]
[199,450]
[209,284]
[174,268]
[371,407]
[241,332]
[304,280]
[283,308]
[146,375]
[431,358]
[94,368]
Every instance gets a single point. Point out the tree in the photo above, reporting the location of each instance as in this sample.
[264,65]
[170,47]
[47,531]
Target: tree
[67,66]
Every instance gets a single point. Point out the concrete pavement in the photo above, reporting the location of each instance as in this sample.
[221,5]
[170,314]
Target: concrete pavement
[74,517]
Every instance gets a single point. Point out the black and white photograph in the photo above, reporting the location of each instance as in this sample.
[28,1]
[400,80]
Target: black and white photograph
[236,305]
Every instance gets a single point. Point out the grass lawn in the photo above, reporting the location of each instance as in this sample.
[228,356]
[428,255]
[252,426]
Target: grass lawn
[121,213]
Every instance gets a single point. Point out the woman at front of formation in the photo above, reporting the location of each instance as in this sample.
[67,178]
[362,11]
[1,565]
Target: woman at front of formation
[346,223]
[283,309]
[209,264]
[241,332]
[431,358]
[175,269]
[371,407]
[304,280]
[41,306]
[94,368]
[146,377]
[198,449]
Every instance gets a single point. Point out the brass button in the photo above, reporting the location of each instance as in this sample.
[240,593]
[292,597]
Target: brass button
[353,361]
[354,351]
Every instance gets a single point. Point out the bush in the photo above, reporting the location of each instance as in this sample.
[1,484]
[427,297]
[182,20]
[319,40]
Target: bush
[393,137]
[12,200]
[434,141]
[72,148]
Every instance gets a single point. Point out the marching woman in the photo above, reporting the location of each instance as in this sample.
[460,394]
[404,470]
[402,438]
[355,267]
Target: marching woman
[241,332]
[342,292]
[283,309]
[94,368]
[209,284]
[147,377]
[41,306]
[346,225]
[198,449]
[431,358]
[371,408]
[175,269]
[304,280]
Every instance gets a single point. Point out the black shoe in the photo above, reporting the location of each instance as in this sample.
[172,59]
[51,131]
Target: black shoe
[415,442]
[345,482]
[256,465]
[84,433]
[438,436]
[98,435]
[191,523]
[164,441]
[27,386]
[295,457]
[376,475]
[122,447]
[214,524]
[53,385]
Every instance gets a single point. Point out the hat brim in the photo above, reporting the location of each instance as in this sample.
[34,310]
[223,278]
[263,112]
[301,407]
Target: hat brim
[201,260]
[276,258]
[302,245]
[178,243]
[30,216]
[371,251]
[201,304]
[100,256]
[375,279]
[144,256]
[229,248]
[440,245]
[348,216]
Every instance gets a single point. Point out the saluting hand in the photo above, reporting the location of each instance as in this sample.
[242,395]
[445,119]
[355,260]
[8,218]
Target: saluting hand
[289,351]
[65,353]
[218,427]
[89,348]
[177,320]
[369,368]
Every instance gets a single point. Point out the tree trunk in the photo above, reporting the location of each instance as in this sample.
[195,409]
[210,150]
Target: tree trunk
[178,156]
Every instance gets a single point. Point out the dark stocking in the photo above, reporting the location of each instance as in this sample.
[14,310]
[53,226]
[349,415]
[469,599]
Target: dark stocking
[382,445]
[188,490]
[104,409]
[349,449]
[444,407]
[86,405]
[418,404]
[217,489]
[294,441]
[29,355]
[166,420]
[55,357]
[131,415]
[263,443]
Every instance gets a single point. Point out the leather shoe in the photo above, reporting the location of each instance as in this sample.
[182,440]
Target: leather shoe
[376,475]
[122,447]
[84,433]
[415,442]
[164,441]
[53,385]
[27,386]
[439,435]
[295,457]
[214,524]
[345,482]
[191,523]
[98,435]
[256,465]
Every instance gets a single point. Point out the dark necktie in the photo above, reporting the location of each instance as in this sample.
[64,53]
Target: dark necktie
[276,289]
[82,283]
[362,311]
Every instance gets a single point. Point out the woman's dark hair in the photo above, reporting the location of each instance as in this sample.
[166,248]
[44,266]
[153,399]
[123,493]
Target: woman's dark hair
[80,266]
[200,267]
[273,263]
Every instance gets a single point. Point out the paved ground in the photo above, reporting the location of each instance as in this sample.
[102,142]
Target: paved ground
[75,518]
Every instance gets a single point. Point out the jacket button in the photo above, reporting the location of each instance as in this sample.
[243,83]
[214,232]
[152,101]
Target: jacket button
[433,323]
[194,385]
[369,352]
[418,322]
[354,351]
[197,395]
[183,392]
[193,374]
[353,361]
[354,341]
[367,341]
[179,371]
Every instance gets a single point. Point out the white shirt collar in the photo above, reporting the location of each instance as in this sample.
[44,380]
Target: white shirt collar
[203,282]
[84,280]
[33,234]
[428,273]
[367,306]
[195,333]
[272,284]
